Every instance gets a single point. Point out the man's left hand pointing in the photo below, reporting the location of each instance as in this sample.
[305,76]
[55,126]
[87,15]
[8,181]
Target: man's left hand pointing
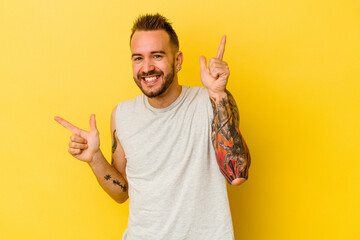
[215,76]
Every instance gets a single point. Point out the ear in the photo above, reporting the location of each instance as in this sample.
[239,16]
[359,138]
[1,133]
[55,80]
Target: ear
[178,60]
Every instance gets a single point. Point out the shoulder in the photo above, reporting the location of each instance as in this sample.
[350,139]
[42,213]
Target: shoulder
[203,99]
[199,97]
[125,106]
[197,93]
[195,89]
[130,102]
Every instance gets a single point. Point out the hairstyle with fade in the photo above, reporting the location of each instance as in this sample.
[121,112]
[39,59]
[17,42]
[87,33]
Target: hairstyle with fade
[152,22]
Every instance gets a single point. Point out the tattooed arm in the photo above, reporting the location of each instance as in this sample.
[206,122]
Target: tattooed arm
[232,153]
[112,178]
[85,146]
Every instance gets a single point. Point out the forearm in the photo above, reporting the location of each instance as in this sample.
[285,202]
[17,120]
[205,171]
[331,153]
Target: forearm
[232,153]
[109,178]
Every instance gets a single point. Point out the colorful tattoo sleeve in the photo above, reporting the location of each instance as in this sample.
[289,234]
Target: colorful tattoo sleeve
[232,153]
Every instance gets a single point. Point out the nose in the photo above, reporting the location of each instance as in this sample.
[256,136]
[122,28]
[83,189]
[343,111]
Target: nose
[148,66]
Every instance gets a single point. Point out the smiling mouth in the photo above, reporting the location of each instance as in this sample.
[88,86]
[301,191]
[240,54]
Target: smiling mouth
[151,79]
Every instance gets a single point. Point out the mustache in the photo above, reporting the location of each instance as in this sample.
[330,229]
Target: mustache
[154,72]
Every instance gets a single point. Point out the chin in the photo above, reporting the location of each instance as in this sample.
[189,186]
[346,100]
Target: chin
[155,91]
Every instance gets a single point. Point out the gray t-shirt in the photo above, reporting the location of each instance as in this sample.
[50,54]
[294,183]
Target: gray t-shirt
[176,190]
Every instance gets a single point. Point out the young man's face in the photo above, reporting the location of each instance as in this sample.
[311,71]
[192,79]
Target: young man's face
[153,61]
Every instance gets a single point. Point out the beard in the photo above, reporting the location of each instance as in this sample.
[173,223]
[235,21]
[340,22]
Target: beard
[168,79]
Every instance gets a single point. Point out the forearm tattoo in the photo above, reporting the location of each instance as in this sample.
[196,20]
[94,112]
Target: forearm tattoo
[232,153]
[107,177]
[114,145]
[114,142]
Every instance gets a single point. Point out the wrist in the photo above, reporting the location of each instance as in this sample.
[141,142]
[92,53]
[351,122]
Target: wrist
[96,158]
[217,95]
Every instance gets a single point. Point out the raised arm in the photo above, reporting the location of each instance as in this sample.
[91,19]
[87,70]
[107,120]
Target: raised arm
[85,146]
[232,153]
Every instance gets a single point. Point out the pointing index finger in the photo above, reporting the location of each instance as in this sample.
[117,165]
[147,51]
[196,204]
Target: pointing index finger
[221,50]
[67,125]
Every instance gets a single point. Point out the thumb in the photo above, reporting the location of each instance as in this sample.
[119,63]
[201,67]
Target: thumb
[202,63]
[92,122]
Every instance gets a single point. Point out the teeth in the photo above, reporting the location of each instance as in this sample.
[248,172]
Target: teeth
[149,79]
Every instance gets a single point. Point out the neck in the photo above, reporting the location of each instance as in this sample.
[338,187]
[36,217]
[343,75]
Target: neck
[168,97]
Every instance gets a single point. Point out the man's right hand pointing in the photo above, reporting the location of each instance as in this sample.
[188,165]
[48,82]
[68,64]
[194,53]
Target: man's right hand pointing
[83,145]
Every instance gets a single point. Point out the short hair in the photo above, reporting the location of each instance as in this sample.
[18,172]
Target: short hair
[152,22]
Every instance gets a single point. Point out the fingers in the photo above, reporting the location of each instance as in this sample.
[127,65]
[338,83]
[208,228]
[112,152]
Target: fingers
[215,62]
[217,67]
[202,63]
[80,146]
[77,144]
[221,50]
[219,55]
[78,139]
[92,122]
[74,151]
[67,125]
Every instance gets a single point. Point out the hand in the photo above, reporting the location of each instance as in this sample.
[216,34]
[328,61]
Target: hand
[83,145]
[215,77]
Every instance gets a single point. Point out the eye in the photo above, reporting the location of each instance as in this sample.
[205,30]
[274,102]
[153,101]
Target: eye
[157,56]
[136,59]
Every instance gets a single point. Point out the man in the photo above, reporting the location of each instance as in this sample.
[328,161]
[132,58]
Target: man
[162,159]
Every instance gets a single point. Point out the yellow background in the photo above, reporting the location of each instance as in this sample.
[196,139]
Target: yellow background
[295,72]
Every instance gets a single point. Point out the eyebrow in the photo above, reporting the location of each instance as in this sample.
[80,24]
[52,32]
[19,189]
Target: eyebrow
[162,52]
[153,52]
